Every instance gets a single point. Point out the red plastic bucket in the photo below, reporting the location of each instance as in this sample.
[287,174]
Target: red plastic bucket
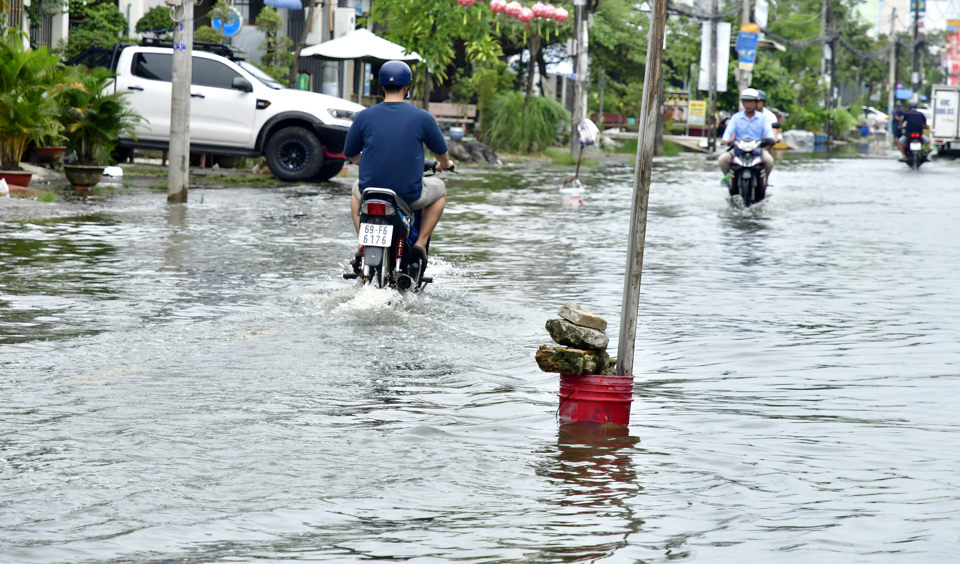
[591,397]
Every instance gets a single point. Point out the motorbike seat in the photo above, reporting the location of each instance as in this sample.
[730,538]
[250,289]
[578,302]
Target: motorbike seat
[386,193]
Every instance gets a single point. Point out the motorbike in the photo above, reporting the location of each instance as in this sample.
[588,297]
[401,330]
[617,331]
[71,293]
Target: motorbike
[914,152]
[749,177]
[388,230]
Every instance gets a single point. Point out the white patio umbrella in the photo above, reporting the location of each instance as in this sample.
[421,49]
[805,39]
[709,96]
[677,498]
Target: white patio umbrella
[359,44]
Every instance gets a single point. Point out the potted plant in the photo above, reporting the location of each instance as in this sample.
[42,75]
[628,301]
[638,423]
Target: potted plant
[92,117]
[29,82]
[49,148]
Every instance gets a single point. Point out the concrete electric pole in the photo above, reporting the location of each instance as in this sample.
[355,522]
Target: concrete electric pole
[178,178]
[581,42]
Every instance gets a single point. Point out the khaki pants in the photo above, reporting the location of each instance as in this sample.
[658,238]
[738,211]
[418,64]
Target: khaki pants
[726,158]
[433,190]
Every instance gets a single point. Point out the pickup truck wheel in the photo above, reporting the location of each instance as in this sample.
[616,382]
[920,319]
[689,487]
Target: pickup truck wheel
[330,168]
[294,154]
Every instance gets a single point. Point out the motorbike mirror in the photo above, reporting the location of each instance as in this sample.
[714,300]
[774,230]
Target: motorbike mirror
[776,125]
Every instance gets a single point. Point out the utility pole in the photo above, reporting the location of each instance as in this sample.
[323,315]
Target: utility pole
[580,45]
[915,75]
[826,64]
[178,175]
[641,188]
[744,77]
[712,118]
[892,79]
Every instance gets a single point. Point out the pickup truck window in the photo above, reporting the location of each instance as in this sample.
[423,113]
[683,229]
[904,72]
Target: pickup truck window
[153,66]
[211,73]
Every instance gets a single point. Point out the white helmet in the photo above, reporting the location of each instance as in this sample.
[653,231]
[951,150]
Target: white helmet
[749,94]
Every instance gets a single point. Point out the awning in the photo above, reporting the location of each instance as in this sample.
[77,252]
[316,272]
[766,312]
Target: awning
[359,44]
[288,4]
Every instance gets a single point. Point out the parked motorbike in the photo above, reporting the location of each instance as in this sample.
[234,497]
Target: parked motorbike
[914,152]
[749,179]
[388,230]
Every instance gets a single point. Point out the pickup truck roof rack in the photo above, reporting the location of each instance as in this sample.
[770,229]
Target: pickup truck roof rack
[227,51]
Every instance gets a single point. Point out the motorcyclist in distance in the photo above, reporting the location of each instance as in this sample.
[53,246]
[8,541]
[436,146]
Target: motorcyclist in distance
[771,117]
[913,122]
[748,124]
[387,141]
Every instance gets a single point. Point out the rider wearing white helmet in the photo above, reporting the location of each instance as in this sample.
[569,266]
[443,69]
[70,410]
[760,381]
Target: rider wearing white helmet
[748,124]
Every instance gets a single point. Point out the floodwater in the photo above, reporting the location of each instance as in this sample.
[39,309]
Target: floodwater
[196,383]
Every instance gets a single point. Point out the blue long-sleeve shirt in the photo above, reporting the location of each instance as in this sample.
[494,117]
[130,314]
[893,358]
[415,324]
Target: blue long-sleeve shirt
[757,127]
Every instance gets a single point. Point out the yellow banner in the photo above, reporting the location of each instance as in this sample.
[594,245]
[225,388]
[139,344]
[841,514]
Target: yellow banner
[750,28]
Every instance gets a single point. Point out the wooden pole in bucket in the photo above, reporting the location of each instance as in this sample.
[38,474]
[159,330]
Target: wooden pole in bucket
[641,188]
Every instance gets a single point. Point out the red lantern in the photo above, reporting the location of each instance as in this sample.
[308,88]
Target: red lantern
[498,6]
[513,9]
[537,9]
[525,15]
[465,3]
[548,12]
[562,15]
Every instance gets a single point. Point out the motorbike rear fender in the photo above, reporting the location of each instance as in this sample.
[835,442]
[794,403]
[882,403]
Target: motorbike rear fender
[373,256]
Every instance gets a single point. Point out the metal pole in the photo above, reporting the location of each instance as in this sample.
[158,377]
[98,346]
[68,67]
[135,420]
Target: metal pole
[641,188]
[826,65]
[915,75]
[580,71]
[712,118]
[178,175]
[745,77]
[892,79]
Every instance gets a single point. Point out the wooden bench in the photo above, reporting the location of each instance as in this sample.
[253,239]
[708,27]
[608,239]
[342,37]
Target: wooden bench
[445,112]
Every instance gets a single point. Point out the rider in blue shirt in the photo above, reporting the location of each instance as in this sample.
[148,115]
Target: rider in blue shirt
[387,141]
[748,124]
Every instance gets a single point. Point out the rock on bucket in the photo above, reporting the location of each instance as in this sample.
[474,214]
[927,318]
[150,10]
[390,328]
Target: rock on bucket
[590,389]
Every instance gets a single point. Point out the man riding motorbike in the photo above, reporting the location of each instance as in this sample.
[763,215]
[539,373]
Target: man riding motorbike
[913,122]
[771,117]
[747,124]
[387,141]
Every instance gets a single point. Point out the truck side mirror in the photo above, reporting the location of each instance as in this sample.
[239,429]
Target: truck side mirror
[240,83]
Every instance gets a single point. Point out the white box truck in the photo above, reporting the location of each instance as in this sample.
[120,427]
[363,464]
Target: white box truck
[945,129]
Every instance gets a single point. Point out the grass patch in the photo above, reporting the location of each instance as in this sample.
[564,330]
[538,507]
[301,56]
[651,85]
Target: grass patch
[48,196]
[561,156]
[629,146]
[252,180]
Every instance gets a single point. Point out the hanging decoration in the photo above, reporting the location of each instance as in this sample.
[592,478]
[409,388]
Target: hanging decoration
[517,10]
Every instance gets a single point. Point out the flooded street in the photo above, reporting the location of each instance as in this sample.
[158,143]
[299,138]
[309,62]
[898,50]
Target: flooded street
[197,383]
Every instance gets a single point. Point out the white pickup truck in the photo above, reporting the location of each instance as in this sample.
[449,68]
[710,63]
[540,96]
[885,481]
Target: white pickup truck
[945,127]
[235,109]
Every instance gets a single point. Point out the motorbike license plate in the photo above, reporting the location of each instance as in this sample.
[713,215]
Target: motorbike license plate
[376,235]
[915,145]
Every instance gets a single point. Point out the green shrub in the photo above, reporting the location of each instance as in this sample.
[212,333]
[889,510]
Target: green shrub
[489,83]
[514,130]
[207,34]
[157,21]
[843,121]
[277,56]
[102,26]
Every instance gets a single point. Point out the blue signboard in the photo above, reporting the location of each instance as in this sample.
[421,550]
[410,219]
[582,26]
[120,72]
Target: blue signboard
[747,49]
[921,9]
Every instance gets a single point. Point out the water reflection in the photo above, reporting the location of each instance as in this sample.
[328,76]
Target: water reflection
[595,476]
